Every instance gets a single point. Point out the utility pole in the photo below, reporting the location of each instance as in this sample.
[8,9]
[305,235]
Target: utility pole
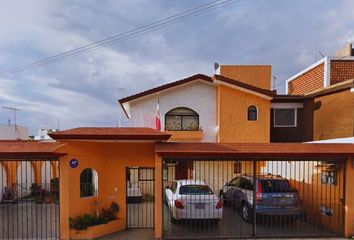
[14,110]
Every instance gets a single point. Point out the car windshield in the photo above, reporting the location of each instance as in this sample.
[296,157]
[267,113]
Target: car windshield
[275,186]
[195,190]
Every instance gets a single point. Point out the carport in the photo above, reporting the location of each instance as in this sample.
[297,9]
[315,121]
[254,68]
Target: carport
[29,184]
[316,174]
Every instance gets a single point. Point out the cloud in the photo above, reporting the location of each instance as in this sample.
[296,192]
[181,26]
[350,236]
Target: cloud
[83,90]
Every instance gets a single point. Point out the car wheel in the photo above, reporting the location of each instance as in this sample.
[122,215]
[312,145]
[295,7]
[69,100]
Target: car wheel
[246,212]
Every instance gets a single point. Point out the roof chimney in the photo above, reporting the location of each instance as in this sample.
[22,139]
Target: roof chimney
[346,51]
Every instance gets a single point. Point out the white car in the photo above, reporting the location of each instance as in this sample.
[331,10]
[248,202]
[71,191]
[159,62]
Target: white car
[193,199]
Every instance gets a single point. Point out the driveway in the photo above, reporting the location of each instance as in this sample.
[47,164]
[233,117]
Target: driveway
[28,220]
[232,226]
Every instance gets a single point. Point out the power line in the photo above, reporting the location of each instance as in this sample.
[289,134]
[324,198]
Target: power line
[179,17]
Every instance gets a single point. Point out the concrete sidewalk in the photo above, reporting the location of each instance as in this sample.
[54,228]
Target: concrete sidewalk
[131,235]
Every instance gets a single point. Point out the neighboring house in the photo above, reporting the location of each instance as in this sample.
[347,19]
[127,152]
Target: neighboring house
[238,105]
[327,71]
[42,134]
[320,101]
[13,132]
[208,109]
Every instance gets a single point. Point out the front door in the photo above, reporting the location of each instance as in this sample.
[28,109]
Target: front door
[140,197]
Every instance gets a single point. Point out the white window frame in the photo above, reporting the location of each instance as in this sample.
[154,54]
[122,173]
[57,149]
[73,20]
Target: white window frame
[280,126]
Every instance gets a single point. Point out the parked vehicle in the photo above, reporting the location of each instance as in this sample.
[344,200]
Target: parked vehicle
[274,196]
[193,199]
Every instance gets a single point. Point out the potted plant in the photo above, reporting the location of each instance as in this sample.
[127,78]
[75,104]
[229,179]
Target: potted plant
[47,197]
[39,193]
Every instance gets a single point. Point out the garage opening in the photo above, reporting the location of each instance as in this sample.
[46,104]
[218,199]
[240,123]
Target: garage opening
[245,198]
[140,198]
[29,199]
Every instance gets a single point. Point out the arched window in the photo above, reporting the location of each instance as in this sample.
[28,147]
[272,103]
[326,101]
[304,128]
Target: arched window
[88,183]
[252,113]
[182,119]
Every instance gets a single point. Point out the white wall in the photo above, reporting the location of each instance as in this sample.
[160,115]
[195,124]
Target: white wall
[3,180]
[46,175]
[197,95]
[24,178]
[9,132]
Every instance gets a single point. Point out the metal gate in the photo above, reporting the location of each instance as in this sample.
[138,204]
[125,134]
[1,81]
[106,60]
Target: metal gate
[140,198]
[226,198]
[29,199]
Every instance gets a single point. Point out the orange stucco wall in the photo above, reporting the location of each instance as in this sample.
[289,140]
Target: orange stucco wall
[232,120]
[256,75]
[110,161]
[333,116]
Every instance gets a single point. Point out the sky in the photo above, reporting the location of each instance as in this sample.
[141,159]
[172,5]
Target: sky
[83,90]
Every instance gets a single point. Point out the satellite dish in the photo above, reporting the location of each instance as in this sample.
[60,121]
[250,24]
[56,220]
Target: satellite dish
[216,66]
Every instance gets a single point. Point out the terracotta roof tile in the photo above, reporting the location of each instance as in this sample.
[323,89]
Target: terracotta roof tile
[23,149]
[255,150]
[111,133]
[244,85]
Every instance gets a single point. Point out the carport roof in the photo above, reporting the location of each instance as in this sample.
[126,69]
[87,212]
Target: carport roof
[111,133]
[10,149]
[255,150]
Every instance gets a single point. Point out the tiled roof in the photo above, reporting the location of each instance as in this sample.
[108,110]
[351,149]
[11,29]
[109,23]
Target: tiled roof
[342,86]
[111,133]
[197,77]
[244,85]
[255,150]
[23,149]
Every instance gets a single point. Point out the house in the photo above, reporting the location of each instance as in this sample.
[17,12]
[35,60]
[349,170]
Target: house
[42,134]
[203,108]
[213,128]
[13,132]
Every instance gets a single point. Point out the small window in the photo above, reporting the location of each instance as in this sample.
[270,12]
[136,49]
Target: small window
[329,177]
[146,174]
[237,167]
[252,113]
[182,119]
[285,117]
[88,183]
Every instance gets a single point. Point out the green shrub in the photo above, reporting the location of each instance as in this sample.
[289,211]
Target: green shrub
[88,220]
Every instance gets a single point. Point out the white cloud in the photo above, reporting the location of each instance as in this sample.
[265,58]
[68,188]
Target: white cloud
[83,90]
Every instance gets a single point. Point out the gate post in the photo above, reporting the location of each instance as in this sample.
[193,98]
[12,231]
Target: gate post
[64,194]
[158,197]
[349,198]
[254,198]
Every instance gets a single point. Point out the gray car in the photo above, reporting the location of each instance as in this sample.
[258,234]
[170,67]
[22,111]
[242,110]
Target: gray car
[274,196]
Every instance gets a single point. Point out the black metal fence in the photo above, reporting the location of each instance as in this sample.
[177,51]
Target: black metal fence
[29,199]
[140,198]
[246,199]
